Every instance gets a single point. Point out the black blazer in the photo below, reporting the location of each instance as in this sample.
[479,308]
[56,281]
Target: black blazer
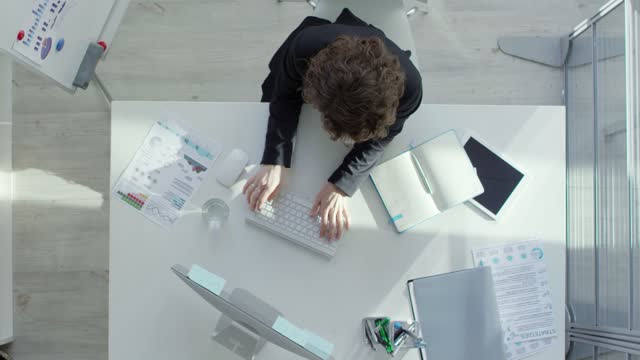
[282,89]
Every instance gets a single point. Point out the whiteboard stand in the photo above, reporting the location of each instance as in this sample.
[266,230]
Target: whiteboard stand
[52,37]
[103,90]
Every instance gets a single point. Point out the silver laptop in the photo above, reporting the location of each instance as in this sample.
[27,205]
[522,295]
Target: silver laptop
[458,315]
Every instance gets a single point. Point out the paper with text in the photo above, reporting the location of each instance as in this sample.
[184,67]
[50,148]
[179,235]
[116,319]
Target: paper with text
[524,298]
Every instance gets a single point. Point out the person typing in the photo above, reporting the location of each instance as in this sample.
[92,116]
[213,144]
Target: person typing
[364,86]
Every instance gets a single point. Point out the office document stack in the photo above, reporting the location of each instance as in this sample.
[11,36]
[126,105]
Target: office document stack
[524,299]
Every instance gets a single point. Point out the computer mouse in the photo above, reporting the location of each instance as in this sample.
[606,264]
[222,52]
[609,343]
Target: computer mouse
[232,167]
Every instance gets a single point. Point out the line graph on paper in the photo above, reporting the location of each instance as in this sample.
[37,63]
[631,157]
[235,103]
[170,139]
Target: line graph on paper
[160,213]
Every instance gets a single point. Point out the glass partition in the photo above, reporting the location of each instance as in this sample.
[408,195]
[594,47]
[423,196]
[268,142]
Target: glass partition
[580,180]
[603,183]
[612,182]
[633,112]
[605,354]
[581,352]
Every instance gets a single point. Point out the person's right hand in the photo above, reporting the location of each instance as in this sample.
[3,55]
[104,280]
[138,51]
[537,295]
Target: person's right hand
[263,186]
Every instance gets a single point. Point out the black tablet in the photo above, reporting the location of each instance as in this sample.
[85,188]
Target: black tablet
[499,177]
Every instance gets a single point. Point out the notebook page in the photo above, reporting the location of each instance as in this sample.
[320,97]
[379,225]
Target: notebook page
[448,169]
[403,192]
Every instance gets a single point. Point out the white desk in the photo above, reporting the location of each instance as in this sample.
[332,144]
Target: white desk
[153,315]
[6,232]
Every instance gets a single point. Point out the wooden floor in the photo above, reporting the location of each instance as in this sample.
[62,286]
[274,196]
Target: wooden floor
[205,50]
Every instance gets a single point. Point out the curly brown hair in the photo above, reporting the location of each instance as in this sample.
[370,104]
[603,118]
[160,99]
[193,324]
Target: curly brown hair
[356,83]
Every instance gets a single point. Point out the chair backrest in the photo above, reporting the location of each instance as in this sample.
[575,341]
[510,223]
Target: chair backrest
[387,15]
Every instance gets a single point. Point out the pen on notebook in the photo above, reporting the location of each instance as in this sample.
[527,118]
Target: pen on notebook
[419,167]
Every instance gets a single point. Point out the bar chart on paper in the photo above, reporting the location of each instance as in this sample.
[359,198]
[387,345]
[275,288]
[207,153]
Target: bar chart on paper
[137,201]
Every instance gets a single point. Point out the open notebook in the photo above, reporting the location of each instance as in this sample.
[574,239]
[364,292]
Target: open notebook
[426,181]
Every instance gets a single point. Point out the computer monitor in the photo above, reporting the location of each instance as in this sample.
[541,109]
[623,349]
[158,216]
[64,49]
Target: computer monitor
[248,311]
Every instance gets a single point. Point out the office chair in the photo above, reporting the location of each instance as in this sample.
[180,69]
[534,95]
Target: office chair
[414,6]
[388,16]
[411,6]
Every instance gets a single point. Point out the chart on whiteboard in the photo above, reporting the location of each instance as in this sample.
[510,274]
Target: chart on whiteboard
[168,168]
[37,39]
[49,27]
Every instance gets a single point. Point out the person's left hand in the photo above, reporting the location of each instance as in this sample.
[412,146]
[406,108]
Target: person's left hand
[330,205]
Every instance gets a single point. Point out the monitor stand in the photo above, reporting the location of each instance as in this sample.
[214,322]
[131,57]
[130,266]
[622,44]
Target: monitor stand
[240,338]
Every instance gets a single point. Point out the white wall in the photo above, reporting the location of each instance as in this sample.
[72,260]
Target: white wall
[6,232]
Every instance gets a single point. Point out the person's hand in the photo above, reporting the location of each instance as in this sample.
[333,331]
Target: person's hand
[331,206]
[263,186]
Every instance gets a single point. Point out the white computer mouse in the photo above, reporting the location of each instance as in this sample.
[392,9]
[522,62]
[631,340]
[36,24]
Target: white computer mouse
[232,167]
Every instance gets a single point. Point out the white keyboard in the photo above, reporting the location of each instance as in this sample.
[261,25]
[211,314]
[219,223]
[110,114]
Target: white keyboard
[288,217]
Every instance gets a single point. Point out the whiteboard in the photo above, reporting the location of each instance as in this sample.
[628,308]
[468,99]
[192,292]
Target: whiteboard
[77,22]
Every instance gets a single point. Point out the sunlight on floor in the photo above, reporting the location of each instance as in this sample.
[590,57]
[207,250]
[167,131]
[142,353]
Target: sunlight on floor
[56,191]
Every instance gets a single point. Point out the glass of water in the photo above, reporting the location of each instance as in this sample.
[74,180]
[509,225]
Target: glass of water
[215,213]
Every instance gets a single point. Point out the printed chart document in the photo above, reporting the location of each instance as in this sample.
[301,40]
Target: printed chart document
[524,299]
[167,169]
